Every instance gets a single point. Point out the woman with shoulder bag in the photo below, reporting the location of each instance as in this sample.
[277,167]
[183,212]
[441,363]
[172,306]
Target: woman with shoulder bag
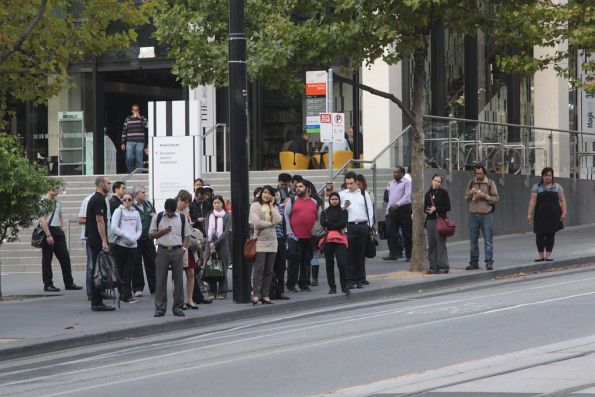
[263,217]
[334,244]
[436,204]
[549,204]
[218,227]
[127,225]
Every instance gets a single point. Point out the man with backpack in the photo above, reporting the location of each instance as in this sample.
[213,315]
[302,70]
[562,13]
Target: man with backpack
[171,231]
[482,195]
[146,248]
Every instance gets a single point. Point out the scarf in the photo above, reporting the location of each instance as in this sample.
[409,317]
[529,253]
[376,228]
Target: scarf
[266,209]
[216,228]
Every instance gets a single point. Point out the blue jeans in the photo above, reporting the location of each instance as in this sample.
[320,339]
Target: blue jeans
[134,155]
[485,223]
[89,276]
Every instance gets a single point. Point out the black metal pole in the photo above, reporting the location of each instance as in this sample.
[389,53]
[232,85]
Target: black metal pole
[357,150]
[238,127]
[98,121]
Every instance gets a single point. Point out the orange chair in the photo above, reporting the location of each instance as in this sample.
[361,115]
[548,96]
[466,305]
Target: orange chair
[293,161]
[340,157]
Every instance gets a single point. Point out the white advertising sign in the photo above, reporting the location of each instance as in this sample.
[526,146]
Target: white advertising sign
[171,167]
[586,100]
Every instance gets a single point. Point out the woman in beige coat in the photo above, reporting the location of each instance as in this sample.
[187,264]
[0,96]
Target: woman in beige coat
[263,217]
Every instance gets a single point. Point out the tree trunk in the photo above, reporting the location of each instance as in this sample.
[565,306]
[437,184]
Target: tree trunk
[419,258]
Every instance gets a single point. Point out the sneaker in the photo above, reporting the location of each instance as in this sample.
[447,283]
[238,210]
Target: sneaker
[103,308]
[138,294]
[472,267]
[130,300]
[489,266]
[179,313]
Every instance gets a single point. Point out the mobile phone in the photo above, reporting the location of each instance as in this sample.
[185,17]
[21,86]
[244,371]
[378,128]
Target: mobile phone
[329,187]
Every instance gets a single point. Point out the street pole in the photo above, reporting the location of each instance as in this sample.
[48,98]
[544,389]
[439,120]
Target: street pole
[238,122]
[329,109]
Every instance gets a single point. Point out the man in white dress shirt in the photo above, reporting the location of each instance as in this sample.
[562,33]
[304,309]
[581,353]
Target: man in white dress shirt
[360,220]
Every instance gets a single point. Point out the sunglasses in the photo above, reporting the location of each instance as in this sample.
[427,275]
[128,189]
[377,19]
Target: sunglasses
[127,199]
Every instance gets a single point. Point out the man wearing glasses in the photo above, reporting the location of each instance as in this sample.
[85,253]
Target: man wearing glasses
[96,233]
[133,138]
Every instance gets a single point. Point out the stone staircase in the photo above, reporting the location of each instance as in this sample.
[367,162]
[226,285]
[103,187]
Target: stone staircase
[19,256]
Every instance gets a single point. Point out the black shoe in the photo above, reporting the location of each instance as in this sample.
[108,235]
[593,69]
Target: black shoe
[350,285]
[445,271]
[179,313]
[159,314]
[292,288]
[314,282]
[205,301]
[346,291]
[51,288]
[365,282]
[472,267]
[389,258]
[103,308]
[432,272]
[332,290]
[359,285]
[305,288]
[490,267]
[73,287]
[283,297]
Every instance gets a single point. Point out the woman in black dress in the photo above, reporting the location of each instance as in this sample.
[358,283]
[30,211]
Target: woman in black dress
[547,212]
[437,204]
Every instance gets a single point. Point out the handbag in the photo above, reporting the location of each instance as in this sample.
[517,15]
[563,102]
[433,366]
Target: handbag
[213,267]
[250,248]
[371,243]
[38,236]
[446,227]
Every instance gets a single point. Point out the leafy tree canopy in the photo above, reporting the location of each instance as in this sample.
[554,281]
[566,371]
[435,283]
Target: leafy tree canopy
[285,37]
[39,39]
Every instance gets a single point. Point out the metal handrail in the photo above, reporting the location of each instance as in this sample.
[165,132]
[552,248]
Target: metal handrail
[134,172]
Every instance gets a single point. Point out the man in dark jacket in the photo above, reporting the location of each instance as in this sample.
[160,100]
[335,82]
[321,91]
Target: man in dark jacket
[146,247]
[300,144]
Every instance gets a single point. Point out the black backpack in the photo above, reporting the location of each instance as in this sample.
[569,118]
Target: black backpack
[182,217]
[489,192]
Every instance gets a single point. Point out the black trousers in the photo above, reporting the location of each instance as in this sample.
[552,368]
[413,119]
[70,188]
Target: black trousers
[299,254]
[126,260]
[61,251]
[278,281]
[338,251]
[96,299]
[545,241]
[395,220]
[358,238]
[145,254]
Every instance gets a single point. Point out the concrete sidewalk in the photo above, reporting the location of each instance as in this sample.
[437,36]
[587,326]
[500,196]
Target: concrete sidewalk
[50,322]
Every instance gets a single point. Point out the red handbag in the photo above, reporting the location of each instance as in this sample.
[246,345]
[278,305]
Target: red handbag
[445,226]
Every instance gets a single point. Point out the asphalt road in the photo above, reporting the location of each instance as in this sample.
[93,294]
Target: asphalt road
[329,350]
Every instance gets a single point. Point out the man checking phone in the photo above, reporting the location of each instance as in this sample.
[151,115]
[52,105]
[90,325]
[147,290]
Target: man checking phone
[360,216]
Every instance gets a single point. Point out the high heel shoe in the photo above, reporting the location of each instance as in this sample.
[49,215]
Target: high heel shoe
[266,301]
[255,300]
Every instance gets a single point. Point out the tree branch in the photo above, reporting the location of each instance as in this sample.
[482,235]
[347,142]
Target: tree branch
[379,93]
[26,33]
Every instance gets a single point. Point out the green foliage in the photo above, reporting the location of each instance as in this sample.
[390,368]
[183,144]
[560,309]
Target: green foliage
[34,62]
[21,186]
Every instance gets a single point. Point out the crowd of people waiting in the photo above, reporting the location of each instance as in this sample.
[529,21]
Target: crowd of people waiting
[290,222]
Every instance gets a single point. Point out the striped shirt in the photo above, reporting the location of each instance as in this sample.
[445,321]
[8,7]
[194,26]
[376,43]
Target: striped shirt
[134,129]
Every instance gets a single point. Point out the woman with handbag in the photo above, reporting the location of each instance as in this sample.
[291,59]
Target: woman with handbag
[218,227]
[127,225]
[436,204]
[263,217]
[549,204]
[334,244]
